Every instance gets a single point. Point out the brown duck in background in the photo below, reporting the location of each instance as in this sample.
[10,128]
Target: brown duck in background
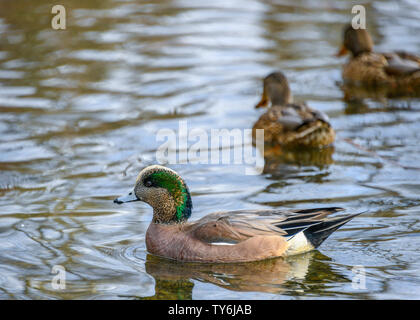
[398,72]
[289,124]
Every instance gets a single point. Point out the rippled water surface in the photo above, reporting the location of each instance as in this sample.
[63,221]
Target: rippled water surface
[79,113]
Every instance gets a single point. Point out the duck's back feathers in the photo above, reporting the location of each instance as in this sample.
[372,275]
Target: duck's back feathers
[401,64]
[295,125]
[237,226]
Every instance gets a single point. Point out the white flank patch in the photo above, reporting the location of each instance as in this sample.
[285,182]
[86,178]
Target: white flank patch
[222,244]
[298,244]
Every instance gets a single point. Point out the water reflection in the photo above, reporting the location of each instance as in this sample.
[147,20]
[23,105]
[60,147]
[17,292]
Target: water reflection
[360,106]
[352,93]
[264,276]
[275,158]
[175,280]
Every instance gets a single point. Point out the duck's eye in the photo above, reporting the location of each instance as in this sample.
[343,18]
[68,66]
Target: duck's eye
[148,183]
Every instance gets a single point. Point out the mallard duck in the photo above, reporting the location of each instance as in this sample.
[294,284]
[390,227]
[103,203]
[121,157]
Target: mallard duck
[225,237]
[289,124]
[399,70]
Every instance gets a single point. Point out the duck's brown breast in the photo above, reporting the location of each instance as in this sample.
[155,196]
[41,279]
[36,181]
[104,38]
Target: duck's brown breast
[368,69]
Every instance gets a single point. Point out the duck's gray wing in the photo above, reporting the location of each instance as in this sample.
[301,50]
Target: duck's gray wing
[401,63]
[237,226]
[292,116]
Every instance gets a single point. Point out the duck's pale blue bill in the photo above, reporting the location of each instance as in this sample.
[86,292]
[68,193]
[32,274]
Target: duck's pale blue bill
[128,198]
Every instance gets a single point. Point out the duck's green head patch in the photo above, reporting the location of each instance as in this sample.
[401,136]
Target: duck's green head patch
[161,177]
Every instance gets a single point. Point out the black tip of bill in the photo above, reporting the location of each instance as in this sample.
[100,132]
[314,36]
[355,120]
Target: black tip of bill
[116,200]
[128,198]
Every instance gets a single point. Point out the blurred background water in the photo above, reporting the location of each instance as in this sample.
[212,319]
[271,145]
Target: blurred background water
[79,113]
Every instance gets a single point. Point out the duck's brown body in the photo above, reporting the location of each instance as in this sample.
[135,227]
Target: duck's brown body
[244,235]
[376,69]
[172,241]
[398,72]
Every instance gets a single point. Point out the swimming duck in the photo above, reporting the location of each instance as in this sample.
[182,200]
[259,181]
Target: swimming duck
[290,124]
[399,70]
[224,237]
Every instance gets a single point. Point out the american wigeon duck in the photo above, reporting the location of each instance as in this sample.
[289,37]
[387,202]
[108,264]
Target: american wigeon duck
[399,70]
[235,236]
[289,124]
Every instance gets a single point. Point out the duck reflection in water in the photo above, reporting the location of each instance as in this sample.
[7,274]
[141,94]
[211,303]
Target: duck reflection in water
[277,159]
[174,280]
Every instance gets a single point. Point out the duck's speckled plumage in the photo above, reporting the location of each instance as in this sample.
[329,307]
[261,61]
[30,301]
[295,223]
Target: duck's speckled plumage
[235,236]
[291,124]
[399,71]
[174,200]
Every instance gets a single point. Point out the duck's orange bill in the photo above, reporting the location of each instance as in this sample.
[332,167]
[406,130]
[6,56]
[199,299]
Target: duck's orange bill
[262,103]
[264,99]
[343,51]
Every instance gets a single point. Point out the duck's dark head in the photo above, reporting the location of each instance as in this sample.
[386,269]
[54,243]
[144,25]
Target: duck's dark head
[276,90]
[165,191]
[357,41]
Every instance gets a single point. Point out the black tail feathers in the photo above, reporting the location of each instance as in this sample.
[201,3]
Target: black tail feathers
[317,233]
